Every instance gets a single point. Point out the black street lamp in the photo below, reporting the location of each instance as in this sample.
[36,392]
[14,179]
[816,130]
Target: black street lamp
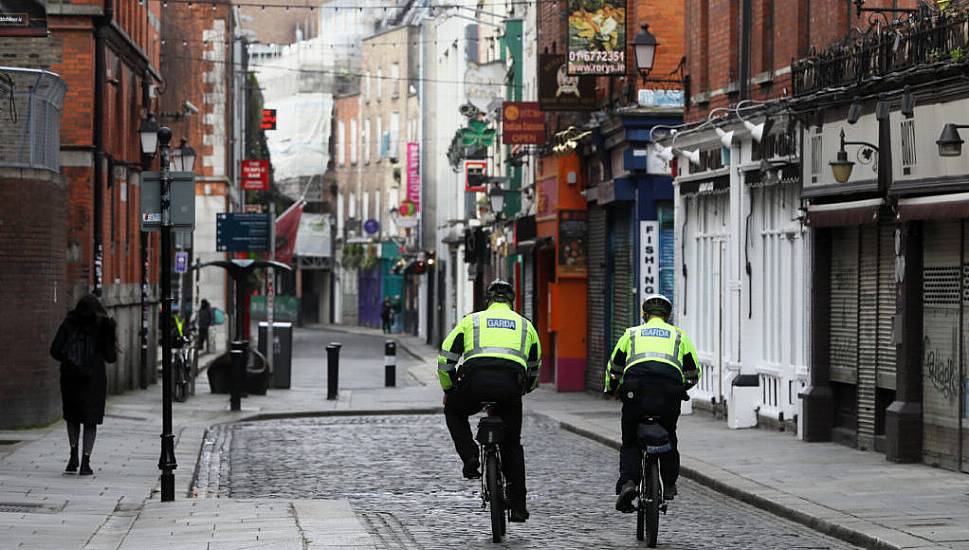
[183,158]
[950,144]
[166,462]
[644,46]
[148,132]
[841,167]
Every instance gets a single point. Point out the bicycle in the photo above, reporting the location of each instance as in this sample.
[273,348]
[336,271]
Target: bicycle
[491,432]
[181,370]
[655,441]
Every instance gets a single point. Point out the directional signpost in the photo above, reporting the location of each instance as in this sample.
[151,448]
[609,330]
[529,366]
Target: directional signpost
[242,232]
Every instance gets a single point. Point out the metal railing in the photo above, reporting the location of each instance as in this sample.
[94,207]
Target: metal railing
[933,38]
[30,118]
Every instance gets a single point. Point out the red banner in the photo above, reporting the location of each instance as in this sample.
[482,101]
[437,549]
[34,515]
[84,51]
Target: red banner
[287,228]
[414,175]
[255,175]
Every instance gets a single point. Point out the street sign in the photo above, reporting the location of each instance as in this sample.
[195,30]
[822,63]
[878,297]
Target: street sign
[371,226]
[255,175]
[268,119]
[183,201]
[475,174]
[242,232]
[181,262]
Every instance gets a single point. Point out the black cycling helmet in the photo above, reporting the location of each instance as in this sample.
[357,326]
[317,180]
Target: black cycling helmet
[501,291]
[657,304]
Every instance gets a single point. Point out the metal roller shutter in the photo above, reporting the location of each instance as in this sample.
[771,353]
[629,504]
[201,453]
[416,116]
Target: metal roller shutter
[597,313]
[844,305]
[965,348]
[886,306]
[942,298]
[623,289]
[528,286]
[867,335]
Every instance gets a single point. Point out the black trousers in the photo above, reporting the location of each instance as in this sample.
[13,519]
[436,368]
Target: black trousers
[652,396]
[502,386]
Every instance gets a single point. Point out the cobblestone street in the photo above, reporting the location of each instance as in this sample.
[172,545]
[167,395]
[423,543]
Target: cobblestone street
[403,479]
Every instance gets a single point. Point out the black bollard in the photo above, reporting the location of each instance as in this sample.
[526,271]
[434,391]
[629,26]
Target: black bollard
[332,370]
[237,376]
[390,363]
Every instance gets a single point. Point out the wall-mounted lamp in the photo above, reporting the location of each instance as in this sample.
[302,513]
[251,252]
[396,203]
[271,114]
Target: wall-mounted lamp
[665,153]
[758,131]
[950,144]
[841,167]
[692,156]
[908,103]
[726,138]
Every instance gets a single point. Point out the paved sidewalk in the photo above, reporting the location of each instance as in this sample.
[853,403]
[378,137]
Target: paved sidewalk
[119,507]
[853,495]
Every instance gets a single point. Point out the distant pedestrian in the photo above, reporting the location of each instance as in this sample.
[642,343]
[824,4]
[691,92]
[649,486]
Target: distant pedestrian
[204,322]
[85,341]
[387,315]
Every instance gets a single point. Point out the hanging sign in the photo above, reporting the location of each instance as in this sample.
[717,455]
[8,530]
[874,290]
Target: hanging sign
[181,262]
[414,174]
[597,37]
[522,122]
[255,175]
[268,119]
[475,174]
[648,258]
[572,256]
[557,91]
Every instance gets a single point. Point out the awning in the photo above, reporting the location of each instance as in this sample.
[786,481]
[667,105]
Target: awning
[955,205]
[526,247]
[844,213]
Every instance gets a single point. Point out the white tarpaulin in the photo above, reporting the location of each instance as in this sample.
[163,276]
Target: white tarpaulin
[313,239]
[300,143]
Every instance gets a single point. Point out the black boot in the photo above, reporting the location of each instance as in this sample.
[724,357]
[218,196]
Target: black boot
[519,514]
[72,462]
[669,491]
[627,494]
[86,466]
[472,468]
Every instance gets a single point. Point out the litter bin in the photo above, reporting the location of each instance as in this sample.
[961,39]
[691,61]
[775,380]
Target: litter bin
[282,353]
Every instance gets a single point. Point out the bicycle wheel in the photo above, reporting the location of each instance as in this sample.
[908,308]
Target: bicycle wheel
[495,496]
[179,384]
[641,519]
[653,499]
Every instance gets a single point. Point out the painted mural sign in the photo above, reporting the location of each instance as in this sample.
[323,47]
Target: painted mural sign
[559,91]
[414,175]
[597,37]
[573,252]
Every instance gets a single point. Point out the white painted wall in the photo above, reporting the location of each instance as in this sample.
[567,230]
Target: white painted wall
[213,281]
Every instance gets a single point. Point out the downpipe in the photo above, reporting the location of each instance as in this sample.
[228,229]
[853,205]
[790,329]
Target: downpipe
[100,74]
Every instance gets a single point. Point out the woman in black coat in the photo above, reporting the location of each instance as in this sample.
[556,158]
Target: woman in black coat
[85,341]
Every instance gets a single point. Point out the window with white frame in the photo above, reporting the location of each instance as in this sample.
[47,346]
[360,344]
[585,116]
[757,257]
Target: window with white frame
[366,85]
[366,140]
[394,80]
[380,82]
[352,205]
[380,136]
[341,143]
[353,141]
[394,134]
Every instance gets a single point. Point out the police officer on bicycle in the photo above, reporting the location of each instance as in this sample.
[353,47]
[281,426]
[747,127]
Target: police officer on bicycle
[652,367]
[501,354]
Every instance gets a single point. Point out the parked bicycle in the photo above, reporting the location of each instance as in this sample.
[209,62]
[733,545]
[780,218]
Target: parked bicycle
[184,362]
[491,432]
[655,442]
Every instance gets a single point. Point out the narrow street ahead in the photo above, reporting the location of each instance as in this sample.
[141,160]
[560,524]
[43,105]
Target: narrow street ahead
[402,477]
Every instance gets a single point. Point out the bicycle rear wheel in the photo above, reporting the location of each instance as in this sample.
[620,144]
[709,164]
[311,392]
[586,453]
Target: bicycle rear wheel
[179,384]
[653,499]
[496,499]
[641,519]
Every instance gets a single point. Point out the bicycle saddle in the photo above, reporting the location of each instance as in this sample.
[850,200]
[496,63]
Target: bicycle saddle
[653,436]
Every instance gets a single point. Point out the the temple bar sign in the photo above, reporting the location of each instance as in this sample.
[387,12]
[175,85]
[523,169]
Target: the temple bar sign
[522,123]
[23,18]
[649,258]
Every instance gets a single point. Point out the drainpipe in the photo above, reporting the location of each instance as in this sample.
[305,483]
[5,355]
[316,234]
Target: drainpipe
[100,29]
[745,50]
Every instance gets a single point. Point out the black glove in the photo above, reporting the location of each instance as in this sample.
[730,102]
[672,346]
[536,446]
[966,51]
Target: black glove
[685,396]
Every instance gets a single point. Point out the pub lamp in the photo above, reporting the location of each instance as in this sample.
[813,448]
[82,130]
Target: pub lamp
[496,196]
[645,44]
[183,158]
[841,167]
[950,144]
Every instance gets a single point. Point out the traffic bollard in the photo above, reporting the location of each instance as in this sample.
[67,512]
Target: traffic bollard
[332,370]
[237,377]
[390,363]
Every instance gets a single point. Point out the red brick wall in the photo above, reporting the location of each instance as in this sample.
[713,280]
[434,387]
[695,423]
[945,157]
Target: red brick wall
[713,43]
[33,292]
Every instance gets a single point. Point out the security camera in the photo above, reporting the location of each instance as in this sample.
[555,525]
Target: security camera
[188,108]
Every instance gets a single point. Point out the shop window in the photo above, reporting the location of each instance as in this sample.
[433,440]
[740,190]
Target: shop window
[908,146]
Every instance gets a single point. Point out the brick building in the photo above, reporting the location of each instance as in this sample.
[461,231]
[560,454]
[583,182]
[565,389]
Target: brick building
[90,194]
[348,225]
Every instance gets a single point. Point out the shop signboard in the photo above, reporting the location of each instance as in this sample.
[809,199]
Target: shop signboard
[572,249]
[255,175]
[649,279]
[475,174]
[414,175]
[597,37]
[23,18]
[558,91]
[522,122]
